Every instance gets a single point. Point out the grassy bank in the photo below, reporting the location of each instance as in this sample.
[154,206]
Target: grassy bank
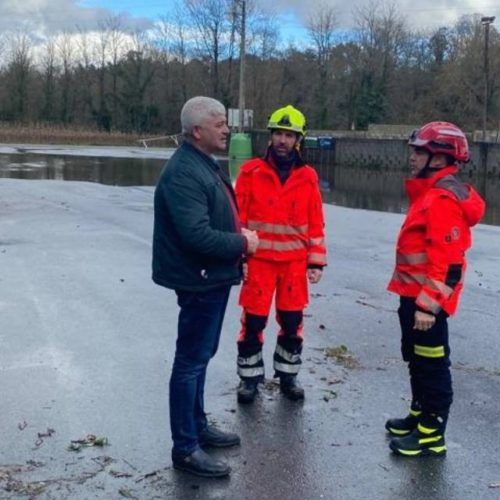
[68,134]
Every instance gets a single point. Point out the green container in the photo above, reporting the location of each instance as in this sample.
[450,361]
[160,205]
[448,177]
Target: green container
[240,150]
[310,142]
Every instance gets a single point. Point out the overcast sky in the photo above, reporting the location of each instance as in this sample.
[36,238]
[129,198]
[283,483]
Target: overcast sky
[48,16]
[418,13]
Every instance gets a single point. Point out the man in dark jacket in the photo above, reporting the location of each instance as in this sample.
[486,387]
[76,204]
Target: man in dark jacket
[197,249]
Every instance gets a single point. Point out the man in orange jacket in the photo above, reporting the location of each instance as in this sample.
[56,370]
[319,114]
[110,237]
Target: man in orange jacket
[278,196]
[430,267]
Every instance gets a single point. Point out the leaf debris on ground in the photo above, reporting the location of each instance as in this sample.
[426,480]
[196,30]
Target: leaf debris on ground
[86,442]
[329,394]
[30,489]
[342,356]
[42,436]
[125,492]
[147,475]
[117,473]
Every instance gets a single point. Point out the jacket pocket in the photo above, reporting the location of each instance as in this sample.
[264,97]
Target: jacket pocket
[454,275]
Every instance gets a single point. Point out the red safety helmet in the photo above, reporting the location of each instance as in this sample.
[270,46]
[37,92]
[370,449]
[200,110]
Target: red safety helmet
[442,138]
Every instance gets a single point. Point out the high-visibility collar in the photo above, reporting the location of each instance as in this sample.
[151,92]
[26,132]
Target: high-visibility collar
[295,158]
[416,187]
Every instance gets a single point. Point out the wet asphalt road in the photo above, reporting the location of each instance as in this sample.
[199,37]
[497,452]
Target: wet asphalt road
[87,341]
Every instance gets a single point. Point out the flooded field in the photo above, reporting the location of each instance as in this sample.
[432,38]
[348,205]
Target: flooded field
[346,186]
[110,171]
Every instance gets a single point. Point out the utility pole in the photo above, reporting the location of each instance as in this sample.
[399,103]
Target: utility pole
[240,144]
[241,100]
[486,21]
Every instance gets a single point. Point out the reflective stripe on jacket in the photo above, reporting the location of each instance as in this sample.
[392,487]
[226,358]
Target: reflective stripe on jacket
[288,218]
[430,252]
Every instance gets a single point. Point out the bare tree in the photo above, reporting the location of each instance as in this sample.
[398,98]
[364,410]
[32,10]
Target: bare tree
[263,31]
[49,81]
[18,69]
[117,44]
[102,117]
[66,52]
[163,41]
[209,19]
[382,33]
[136,73]
[2,48]
[262,72]
[438,45]
[172,37]
[321,29]
[83,74]
[461,83]
[179,49]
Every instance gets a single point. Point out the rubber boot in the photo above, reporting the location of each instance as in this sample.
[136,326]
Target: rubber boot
[291,388]
[247,390]
[427,439]
[403,426]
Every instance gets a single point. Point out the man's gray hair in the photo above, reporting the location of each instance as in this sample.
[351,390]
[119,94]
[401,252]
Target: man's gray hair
[196,111]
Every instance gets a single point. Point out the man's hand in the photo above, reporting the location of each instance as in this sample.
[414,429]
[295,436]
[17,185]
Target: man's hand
[314,275]
[252,239]
[245,271]
[424,321]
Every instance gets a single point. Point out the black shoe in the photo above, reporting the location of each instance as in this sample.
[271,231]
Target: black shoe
[201,464]
[212,437]
[247,390]
[403,426]
[291,388]
[423,441]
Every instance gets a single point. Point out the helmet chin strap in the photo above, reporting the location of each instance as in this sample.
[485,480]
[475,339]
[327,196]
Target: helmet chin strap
[427,169]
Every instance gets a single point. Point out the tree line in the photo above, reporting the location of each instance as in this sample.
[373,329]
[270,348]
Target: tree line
[381,71]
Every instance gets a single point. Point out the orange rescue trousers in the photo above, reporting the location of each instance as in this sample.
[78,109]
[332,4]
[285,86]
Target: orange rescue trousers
[288,281]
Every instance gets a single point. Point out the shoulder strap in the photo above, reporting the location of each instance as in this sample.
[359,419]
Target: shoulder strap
[453,185]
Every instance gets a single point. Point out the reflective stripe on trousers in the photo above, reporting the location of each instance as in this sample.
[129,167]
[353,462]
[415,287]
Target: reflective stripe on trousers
[286,362]
[427,354]
[251,366]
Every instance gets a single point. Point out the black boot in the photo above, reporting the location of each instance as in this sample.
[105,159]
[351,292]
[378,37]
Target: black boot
[291,388]
[426,439]
[403,426]
[247,390]
[201,464]
[211,437]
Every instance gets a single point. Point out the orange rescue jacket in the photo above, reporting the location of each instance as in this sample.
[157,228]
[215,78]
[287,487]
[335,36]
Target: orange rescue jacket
[430,251]
[288,218]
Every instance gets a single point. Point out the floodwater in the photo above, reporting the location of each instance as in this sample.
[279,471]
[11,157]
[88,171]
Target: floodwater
[346,186]
[110,171]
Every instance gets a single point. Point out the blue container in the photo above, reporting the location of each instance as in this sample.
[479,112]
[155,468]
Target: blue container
[325,142]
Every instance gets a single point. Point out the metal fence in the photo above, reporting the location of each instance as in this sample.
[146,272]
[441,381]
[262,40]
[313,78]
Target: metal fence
[324,152]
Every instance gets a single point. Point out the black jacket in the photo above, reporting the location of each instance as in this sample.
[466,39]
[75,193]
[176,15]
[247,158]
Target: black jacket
[196,240]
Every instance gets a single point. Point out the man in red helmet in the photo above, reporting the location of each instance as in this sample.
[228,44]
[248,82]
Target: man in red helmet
[430,266]
[278,196]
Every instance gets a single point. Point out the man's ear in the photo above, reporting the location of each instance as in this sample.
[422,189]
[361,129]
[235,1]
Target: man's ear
[195,132]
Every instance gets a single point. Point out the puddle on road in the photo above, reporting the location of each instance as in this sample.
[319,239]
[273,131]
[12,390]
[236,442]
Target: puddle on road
[341,185]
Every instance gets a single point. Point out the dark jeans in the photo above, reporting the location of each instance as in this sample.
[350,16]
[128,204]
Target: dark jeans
[199,327]
[430,375]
